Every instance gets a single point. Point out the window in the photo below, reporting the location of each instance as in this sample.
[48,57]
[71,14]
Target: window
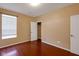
[9,26]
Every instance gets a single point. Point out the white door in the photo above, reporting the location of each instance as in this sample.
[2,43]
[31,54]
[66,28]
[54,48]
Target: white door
[33,31]
[74,33]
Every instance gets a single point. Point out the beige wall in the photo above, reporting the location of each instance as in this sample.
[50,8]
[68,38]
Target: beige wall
[56,25]
[23,28]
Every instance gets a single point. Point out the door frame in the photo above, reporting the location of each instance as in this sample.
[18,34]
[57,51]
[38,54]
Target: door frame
[30,29]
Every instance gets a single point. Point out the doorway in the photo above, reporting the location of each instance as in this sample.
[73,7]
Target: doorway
[35,31]
[74,34]
[39,31]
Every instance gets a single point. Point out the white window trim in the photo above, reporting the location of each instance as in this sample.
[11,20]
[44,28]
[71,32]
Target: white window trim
[10,36]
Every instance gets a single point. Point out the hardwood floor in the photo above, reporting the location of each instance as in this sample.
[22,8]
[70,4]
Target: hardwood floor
[34,48]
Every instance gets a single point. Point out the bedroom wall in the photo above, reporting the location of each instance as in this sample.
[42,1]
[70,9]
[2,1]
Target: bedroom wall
[56,26]
[23,28]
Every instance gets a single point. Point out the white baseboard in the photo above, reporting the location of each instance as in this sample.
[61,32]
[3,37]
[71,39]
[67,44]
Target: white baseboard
[42,41]
[56,46]
[60,47]
[13,44]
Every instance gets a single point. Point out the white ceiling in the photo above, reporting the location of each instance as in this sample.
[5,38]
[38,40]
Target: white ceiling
[27,9]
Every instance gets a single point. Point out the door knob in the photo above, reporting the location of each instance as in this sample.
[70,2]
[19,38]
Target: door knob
[72,35]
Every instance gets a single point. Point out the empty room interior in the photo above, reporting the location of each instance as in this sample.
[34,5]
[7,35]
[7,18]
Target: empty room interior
[39,29]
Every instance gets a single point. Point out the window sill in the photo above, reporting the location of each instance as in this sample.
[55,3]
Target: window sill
[7,37]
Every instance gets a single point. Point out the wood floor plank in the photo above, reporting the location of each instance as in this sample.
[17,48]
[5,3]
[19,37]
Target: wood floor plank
[34,48]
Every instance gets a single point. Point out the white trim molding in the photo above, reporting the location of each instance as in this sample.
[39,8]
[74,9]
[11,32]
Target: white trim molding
[56,45]
[13,44]
[59,47]
[7,37]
